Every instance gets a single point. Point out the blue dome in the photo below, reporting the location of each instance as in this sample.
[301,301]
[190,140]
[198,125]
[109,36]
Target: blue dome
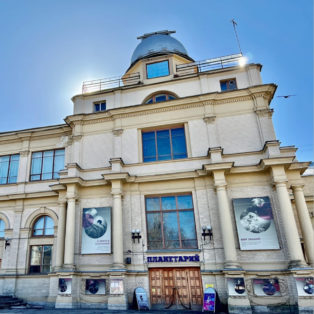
[158,43]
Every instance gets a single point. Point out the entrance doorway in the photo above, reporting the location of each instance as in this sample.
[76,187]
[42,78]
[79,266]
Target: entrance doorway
[176,287]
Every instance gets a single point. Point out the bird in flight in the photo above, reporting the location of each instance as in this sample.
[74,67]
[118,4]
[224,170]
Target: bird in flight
[286,96]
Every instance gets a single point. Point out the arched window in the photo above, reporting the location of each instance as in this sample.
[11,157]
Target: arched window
[2,227]
[43,226]
[160,97]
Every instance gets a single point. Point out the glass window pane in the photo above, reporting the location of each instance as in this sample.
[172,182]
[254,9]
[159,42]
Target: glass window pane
[170,97]
[49,226]
[149,146]
[59,165]
[160,98]
[185,201]
[187,227]
[157,69]
[59,152]
[2,227]
[152,203]
[168,202]
[36,163]
[178,143]
[14,167]
[35,177]
[47,257]
[171,234]
[39,223]
[97,107]
[103,106]
[36,255]
[154,231]
[223,85]
[4,167]
[232,85]
[149,101]
[163,145]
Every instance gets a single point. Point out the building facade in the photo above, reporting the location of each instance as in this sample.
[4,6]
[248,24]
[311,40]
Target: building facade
[169,178]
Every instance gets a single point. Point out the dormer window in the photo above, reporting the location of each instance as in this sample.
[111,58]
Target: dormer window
[160,97]
[157,69]
[100,106]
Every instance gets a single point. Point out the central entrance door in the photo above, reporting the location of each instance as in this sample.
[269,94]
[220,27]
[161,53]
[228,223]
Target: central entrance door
[181,287]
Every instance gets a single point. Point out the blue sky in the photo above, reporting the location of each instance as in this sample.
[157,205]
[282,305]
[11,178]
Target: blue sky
[48,48]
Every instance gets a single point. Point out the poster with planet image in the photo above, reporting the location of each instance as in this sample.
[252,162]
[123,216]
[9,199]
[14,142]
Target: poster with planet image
[266,287]
[255,223]
[96,233]
[305,286]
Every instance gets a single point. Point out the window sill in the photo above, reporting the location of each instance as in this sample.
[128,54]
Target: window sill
[173,250]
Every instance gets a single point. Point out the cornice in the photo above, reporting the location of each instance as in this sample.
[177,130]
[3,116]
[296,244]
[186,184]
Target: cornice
[19,196]
[215,98]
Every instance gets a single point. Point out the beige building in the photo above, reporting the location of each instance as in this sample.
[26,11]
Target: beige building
[169,178]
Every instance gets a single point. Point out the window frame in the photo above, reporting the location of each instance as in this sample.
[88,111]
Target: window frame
[155,62]
[42,162]
[8,172]
[177,211]
[41,259]
[227,81]
[100,103]
[1,238]
[169,128]
[44,228]
[153,97]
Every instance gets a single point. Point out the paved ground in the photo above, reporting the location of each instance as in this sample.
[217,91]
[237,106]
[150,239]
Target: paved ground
[91,311]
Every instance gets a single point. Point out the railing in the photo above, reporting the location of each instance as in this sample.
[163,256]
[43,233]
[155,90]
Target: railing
[206,65]
[181,69]
[113,82]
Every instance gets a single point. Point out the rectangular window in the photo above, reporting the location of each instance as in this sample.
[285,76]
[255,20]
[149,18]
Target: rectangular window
[164,144]
[230,84]
[9,166]
[40,259]
[157,69]
[170,222]
[47,164]
[101,106]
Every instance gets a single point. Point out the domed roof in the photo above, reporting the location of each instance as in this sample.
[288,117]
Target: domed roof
[158,43]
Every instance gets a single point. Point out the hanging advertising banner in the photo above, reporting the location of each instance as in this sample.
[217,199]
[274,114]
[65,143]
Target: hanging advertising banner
[236,286]
[255,223]
[266,287]
[95,286]
[96,233]
[65,286]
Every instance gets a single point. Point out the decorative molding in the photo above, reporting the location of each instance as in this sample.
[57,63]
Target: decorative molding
[209,119]
[117,132]
[24,153]
[264,112]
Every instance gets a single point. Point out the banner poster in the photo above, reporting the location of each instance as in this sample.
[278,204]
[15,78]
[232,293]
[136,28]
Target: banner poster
[96,233]
[141,298]
[116,286]
[209,301]
[236,286]
[95,286]
[305,286]
[266,287]
[65,286]
[255,223]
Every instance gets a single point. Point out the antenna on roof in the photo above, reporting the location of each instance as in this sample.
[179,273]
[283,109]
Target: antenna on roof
[234,23]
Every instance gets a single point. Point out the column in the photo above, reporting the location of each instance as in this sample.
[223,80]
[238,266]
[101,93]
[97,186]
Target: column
[117,229]
[290,227]
[60,235]
[226,225]
[305,222]
[70,232]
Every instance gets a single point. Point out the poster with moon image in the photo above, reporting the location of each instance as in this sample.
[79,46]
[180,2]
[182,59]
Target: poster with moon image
[305,286]
[255,223]
[266,287]
[236,286]
[96,233]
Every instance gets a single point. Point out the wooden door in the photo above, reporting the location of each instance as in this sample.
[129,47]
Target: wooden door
[186,281]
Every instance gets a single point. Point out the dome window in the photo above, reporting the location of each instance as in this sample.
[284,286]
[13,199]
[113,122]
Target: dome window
[160,97]
[157,69]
